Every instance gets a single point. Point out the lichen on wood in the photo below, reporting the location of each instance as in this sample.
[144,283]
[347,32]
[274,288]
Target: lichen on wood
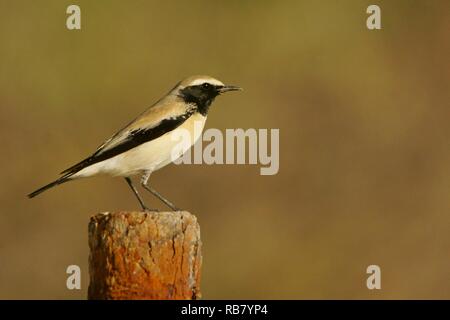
[144,255]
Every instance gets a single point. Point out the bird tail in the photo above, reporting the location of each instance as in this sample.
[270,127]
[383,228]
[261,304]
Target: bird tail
[58,181]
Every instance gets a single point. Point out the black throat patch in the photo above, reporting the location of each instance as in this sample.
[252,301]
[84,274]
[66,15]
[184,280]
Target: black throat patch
[200,95]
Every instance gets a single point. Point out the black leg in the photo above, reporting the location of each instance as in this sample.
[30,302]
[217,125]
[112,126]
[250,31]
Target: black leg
[141,202]
[144,184]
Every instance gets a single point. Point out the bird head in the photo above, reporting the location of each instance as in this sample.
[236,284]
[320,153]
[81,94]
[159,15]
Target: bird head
[201,91]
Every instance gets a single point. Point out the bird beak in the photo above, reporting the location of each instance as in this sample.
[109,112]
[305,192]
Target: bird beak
[229,88]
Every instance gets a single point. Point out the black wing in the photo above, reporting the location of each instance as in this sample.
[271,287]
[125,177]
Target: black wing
[133,139]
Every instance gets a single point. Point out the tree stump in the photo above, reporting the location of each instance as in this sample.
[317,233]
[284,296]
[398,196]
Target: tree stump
[144,255]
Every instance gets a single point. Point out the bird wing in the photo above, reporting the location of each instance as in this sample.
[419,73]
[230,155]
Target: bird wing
[158,120]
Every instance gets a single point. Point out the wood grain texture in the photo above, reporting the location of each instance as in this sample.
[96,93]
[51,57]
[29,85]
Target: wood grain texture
[144,255]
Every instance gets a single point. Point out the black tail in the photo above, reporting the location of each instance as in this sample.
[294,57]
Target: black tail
[61,180]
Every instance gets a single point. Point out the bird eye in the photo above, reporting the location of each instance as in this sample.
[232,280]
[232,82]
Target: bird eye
[206,85]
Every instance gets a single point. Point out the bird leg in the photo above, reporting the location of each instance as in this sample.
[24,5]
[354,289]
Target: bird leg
[144,207]
[144,184]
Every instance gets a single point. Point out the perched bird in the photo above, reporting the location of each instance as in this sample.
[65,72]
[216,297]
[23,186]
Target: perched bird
[145,144]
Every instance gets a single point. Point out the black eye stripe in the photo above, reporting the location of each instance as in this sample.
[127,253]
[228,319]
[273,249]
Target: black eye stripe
[202,95]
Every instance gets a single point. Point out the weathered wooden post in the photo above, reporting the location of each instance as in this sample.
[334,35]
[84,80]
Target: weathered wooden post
[144,255]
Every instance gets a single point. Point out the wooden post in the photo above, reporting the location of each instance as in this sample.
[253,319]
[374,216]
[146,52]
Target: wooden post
[144,255]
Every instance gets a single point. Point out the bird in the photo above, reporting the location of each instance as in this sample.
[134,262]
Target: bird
[145,145]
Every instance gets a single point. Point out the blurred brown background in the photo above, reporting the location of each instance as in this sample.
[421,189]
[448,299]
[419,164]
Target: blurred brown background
[364,140]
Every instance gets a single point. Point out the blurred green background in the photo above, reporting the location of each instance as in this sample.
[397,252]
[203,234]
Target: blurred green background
[364,140]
